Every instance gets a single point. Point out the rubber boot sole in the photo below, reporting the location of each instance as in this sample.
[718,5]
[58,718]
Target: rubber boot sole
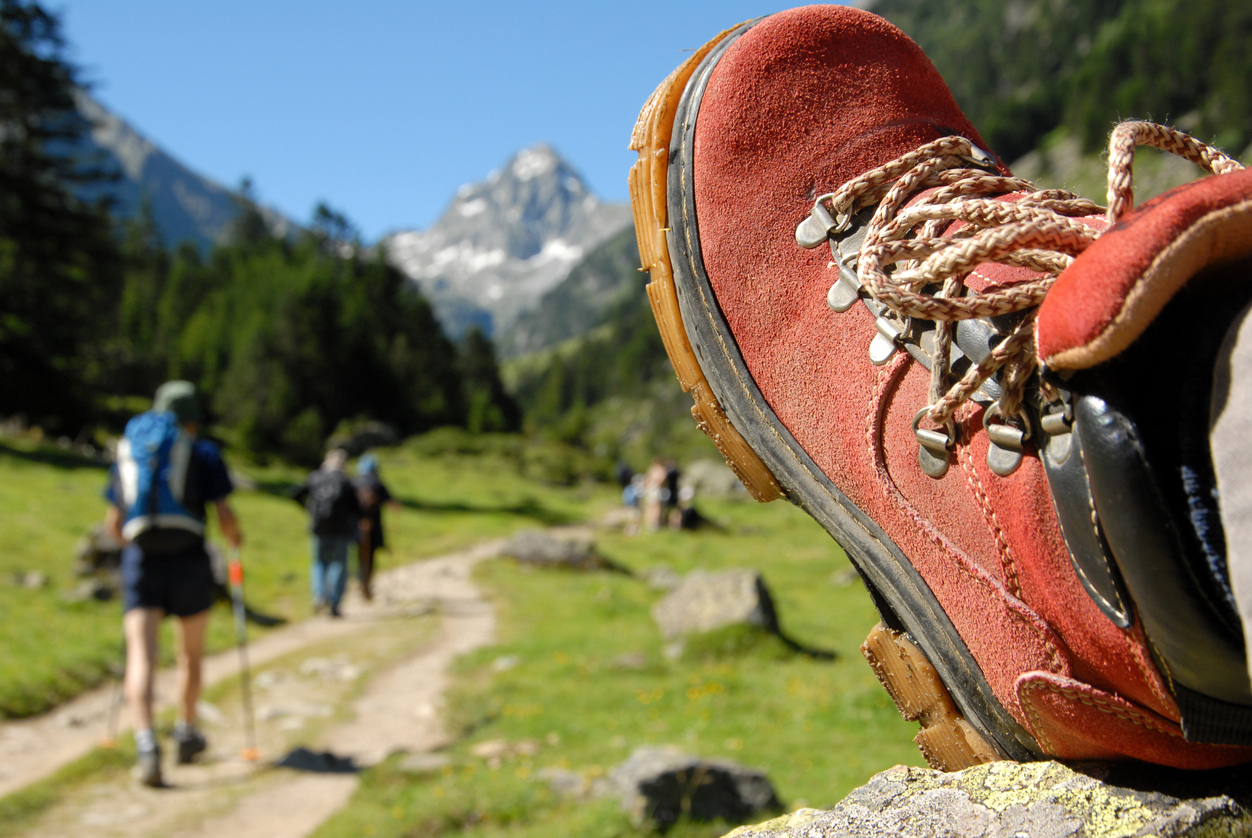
[758,448]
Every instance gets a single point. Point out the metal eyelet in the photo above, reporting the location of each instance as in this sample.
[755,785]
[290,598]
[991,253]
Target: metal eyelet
[934,454]
[1008,440]
[887,341]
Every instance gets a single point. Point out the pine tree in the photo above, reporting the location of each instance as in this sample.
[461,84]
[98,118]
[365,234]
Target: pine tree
[59,265]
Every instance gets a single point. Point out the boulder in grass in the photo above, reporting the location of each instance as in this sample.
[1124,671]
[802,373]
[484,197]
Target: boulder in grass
[1009,799]
[97,551]
[658,786]
[708,600]
[542,549]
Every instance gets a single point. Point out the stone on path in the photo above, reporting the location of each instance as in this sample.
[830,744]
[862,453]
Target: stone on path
[661,785]
[705,600]
[1040,800]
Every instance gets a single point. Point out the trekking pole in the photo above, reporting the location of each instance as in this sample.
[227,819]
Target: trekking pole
[115,695]
[235,574]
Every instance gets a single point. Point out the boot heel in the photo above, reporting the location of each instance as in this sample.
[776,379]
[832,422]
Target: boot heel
[947,740]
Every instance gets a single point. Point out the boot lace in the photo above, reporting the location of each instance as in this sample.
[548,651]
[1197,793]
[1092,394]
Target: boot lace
[914,272]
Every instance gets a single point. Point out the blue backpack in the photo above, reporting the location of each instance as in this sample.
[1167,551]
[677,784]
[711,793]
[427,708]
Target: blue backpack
[153,468]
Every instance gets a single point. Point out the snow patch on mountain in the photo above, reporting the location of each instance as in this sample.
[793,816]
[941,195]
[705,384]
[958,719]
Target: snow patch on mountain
[505,241]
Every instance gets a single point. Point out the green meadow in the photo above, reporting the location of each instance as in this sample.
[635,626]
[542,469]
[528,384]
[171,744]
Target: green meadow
[579,676]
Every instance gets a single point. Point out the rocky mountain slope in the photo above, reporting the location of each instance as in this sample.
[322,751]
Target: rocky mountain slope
[505,241]
[185,206]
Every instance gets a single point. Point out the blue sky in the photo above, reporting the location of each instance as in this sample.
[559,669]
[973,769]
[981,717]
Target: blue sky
[383,108]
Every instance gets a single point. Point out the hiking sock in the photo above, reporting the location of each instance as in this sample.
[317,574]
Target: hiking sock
[1231,426]
[183,730]
[145,740]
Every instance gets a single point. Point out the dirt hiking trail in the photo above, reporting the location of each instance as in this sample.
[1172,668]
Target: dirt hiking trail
[360,688]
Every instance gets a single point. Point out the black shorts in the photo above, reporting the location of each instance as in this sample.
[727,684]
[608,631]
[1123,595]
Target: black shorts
[180,583]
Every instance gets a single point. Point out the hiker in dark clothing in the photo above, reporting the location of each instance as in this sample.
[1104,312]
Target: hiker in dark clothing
[333,509]
[158,490]
[372,494]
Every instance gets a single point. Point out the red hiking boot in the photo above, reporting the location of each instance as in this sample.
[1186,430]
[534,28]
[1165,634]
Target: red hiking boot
[850,287]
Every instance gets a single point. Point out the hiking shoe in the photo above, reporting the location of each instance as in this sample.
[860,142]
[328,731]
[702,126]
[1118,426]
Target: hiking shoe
[147,768]
[190,743]
[848,284]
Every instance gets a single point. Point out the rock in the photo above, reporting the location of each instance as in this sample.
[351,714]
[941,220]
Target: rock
[424,763]
[90,589]
[1041,799]
[711,477]
[495,751]
[31,580]
[97,550]
[536,547]
[99,558]
[662,578]
[566,783]
[209,713]
[505,662]
[660,785]
[705,600]
[630,661]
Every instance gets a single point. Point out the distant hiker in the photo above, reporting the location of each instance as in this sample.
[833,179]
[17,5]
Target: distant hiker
[159,486]
[654,497]
[372,495]
[669,492]
[333,509]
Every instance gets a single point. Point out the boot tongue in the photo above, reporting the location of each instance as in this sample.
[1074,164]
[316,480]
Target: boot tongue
[1114,290]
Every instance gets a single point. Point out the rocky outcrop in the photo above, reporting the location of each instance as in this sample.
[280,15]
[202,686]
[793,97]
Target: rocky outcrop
[708,600]
[661,785]
[1041,800]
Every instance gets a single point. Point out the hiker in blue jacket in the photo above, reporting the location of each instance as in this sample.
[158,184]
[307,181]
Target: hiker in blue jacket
[159,488]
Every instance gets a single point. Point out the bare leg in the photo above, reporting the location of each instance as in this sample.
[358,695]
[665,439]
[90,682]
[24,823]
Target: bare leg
[190,654]
[140,625]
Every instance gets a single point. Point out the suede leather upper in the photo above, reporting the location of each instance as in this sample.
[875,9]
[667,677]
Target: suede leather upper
[800,103]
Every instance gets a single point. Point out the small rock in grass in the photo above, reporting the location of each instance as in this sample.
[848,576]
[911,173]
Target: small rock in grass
[662,578]
[423,763]
[660,785]
[505,662]
[706,600]
[630,661]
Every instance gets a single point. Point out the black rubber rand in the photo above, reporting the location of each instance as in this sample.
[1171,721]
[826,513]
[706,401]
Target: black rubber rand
[904,599]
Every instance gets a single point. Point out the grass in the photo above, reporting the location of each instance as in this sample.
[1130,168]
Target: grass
[580,675]
[451,498]
[20,809]
[592,682]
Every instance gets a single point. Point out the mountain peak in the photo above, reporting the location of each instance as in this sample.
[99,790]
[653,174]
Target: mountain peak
[506,239]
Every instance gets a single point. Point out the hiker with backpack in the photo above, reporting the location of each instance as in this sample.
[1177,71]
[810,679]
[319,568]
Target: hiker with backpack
[334,510]
[162,481]
[372,494]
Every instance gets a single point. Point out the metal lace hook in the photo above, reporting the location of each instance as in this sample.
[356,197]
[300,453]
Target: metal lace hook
[934,453]
[1008,440]
[820,224]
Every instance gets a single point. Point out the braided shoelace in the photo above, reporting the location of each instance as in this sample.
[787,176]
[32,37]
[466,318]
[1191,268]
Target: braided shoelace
[906,266]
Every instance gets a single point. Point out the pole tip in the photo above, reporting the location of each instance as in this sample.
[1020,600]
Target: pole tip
[250,754]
